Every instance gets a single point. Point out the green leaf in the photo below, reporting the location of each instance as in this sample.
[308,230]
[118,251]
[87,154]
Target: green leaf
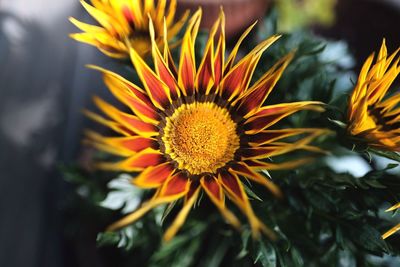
[266,255]
[108,238]
[338,123]
[387,154]
[370,239]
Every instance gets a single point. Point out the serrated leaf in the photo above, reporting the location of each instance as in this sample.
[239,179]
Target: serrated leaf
[122,194]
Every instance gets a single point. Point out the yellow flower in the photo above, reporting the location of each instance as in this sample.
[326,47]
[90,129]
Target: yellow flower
[372,116]
[125,23]
[204,128]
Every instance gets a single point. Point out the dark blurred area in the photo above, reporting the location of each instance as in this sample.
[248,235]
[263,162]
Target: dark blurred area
[43,88]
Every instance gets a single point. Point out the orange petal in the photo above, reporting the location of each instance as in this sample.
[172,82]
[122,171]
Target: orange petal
[138,162]
[269,136]
[187,64]
[244,170]
[115,126]
[156,89]
[176,186]
[235,191]
[146,207]
[131,122]
[205,74]
[162,68]
[124,146]
[214,191]
[154,176]
[182,215]
[258,93]
[270,115]
[219,57]
[130,95]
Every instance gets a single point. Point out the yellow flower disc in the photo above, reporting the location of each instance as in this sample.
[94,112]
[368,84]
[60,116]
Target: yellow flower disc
[200,137]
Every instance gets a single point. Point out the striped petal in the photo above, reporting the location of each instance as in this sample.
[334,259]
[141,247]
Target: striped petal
[219,57]
[252,100]
[235,191]
[231,59]
[161,67]
[268,136]
[270,115]
[238,78]
[115,126]
[155,88]
[154,176]
[214,190]
[138,162]
[173,189]
[187,63]
[182,215]
[244,170]
[205,74]
[131,122]
[123,146]
[131,95]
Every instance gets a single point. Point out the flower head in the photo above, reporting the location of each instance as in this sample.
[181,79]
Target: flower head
[373,114]
[204,128]
[125,23]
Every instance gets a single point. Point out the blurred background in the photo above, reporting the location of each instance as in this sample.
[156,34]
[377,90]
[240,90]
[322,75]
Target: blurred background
[44,86]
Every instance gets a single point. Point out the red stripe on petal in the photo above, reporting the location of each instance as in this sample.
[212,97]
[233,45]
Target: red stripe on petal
[138,126]
[219,61]
[231,184]
[270,115]
[256,95]
[137,143]
[212,187]
[144,160]
[178,184]
[231,85]
[155,88]
[205,74]
[194,186]
[142,106]
[154,176]
[186,74]
[129,121]
[128,14]
[165,73]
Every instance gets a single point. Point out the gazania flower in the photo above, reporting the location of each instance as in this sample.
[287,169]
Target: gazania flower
[395,228]
[125,23]
[374,115]
[204,128]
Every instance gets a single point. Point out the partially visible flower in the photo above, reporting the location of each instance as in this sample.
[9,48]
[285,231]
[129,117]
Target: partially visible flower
[200,127]
[125,23]
[395,228]
[373,113]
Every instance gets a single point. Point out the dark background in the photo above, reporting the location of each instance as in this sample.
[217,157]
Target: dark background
[43,88]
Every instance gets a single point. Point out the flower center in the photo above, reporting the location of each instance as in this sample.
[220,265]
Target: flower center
[200,137]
